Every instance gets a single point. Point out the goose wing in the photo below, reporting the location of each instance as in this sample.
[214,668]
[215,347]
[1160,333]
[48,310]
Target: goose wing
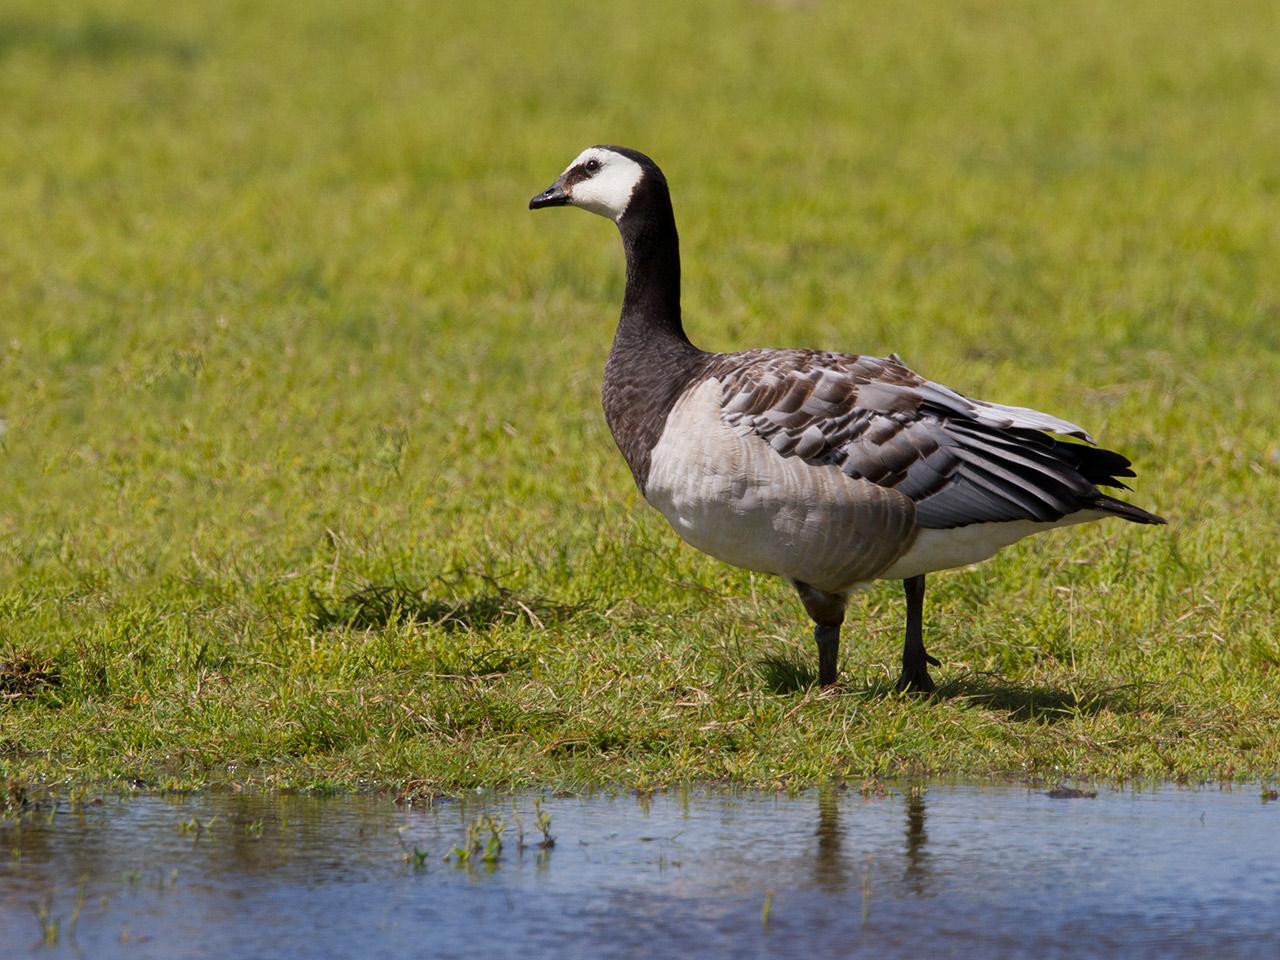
[961,461]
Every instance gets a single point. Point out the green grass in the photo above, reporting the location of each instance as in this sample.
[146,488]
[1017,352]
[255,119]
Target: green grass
[304,481]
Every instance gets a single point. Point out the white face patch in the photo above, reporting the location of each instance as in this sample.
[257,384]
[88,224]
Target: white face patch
[608,190]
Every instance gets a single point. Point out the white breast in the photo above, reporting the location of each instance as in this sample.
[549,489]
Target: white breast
[734,497]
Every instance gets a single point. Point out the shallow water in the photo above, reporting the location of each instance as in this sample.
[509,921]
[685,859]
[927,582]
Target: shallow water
[948,870]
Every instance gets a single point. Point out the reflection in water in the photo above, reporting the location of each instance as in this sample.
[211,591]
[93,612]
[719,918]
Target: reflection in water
[829,866]
[917,872]
[1010,873]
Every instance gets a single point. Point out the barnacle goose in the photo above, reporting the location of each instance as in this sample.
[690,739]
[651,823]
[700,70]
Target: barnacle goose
[828,469]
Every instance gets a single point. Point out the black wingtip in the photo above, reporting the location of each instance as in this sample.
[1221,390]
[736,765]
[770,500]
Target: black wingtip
[1127,511]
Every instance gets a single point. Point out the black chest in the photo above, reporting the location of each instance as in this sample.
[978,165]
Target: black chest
[643,379]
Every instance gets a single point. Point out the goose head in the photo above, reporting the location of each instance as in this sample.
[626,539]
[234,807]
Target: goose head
[602,179]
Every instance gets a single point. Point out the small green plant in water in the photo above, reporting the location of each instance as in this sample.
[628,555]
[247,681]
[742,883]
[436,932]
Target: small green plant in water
[475,843]
[194,827]
[493,846]
[50,926]
[413,856]
[470,844]
[543,823]
[75,913]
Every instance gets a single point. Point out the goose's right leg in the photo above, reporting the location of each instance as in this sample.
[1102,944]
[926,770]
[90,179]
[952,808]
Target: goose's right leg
[827,612]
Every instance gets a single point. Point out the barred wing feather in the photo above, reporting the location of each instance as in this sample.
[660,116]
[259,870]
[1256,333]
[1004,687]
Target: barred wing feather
[960,461]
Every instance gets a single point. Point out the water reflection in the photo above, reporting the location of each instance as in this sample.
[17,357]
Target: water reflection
[829,870]
[1002,871]
[832,864]
[917,859]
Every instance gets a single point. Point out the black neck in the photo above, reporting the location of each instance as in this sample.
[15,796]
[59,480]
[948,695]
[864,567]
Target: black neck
[652,361]
[651,303]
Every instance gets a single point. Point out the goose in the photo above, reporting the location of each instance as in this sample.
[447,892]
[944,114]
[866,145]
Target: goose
[830,470]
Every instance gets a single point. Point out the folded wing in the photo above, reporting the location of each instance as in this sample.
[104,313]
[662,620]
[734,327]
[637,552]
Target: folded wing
[961,461]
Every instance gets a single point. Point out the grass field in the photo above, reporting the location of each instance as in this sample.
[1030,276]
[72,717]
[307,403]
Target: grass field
[303,476]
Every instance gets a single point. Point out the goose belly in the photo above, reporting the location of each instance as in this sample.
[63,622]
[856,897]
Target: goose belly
[960,546]
[735,498]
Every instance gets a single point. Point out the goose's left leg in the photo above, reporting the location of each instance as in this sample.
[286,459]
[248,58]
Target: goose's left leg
[827,612]
[915,662]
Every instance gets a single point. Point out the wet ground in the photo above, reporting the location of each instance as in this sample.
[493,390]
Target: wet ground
[947,870]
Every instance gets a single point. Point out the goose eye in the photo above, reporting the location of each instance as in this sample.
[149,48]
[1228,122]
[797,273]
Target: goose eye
[592,165]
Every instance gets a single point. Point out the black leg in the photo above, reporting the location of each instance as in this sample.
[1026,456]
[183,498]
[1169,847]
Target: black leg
[827,613]
[915,670]
[828,638]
